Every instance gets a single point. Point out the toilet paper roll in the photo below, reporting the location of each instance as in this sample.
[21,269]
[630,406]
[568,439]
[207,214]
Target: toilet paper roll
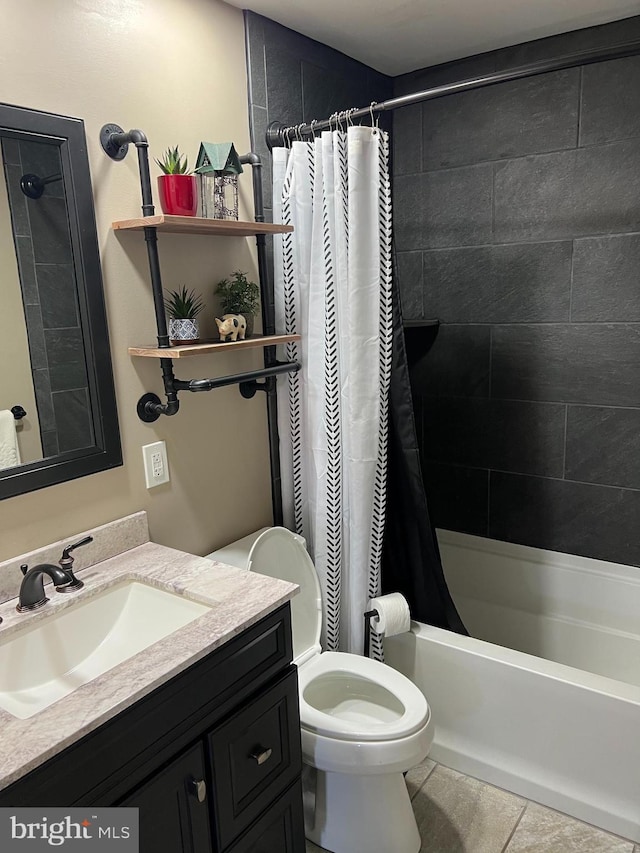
[393,614]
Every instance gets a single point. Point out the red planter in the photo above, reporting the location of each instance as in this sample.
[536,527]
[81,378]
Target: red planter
[178,194]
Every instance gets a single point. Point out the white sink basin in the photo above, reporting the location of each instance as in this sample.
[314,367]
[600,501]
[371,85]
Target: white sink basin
[54,656]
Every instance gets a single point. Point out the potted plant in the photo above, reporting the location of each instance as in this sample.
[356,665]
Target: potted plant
[177,188]
[183,306]
[238,295]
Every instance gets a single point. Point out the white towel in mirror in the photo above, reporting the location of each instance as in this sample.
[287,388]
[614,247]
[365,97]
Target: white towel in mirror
[9,450]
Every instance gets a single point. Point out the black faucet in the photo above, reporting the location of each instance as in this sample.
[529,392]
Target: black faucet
[32,587]
[32,596]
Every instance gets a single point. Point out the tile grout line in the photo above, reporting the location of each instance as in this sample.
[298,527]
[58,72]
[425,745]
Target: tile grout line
[422,284]
[542,241]
[493,203]
[598,484]
[513,831]
[424,782]
[580,98]
[489,397]
[577,324]
[515,157]
[564,443]
[505,244]
[571,268]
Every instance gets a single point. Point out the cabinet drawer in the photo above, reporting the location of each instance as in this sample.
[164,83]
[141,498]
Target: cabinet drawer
[255,755]
[279,830]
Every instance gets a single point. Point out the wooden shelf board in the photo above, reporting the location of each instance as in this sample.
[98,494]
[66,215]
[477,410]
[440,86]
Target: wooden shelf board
[196,225]
[207,347]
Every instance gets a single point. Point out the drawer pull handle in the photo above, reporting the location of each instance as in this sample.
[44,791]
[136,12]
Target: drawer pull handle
[199,789]
[261,755]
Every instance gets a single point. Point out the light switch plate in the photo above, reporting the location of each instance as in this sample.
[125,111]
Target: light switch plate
[156,466]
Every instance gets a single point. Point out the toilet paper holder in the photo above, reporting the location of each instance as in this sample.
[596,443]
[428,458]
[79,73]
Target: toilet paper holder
[368,616]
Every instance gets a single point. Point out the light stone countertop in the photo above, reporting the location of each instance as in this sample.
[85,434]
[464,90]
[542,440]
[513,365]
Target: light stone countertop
[239,599]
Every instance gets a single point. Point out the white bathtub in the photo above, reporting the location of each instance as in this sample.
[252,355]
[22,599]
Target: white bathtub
[558,720]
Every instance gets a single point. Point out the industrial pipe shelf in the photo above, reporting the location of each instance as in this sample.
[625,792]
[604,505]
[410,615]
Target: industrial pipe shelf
[197,225]
[208,347]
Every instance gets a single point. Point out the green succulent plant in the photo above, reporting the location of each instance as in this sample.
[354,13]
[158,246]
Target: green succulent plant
[183,304]
[173,163]
[238,295]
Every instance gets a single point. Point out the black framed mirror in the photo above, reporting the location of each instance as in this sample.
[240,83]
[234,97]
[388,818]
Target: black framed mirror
[56,378]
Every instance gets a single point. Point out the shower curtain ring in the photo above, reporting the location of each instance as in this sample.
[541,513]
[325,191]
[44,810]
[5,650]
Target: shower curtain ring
[371,106]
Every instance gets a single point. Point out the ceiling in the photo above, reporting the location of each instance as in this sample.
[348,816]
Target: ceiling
[396,36]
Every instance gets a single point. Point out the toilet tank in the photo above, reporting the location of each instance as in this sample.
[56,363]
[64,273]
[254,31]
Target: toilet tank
[279,553]
[237,553]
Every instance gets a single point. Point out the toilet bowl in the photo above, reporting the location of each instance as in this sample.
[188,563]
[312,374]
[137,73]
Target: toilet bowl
[363,724]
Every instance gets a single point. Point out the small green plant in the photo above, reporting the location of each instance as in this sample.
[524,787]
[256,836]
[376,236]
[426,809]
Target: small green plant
[173,163]
[238,295]
[183,304]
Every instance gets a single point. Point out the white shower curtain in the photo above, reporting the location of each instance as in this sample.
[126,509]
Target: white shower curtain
[333,286]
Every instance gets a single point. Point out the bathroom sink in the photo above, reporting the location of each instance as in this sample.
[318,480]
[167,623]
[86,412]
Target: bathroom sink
[57,654]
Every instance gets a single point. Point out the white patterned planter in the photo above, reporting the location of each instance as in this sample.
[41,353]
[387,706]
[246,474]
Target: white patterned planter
[183,331]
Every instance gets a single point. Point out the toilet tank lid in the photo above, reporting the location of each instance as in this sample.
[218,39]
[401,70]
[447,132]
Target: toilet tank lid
[279,553]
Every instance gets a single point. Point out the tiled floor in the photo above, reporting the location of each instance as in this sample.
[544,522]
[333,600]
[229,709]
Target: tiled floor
[458,814]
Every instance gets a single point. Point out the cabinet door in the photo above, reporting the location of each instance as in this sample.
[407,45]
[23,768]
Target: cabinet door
[173,807]
[255,756]
[279,830]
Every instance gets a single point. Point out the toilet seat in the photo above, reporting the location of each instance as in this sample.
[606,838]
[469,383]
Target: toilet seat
[279,553]
[355,698]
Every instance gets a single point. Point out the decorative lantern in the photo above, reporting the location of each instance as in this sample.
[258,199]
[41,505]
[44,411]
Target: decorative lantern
[218,166]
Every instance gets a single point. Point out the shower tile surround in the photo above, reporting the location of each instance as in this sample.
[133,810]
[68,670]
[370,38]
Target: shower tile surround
[458,813]
[517,224]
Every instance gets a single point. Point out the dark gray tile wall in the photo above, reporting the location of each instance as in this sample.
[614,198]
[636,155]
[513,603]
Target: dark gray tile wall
[517,224]
[47,278]
[294,79]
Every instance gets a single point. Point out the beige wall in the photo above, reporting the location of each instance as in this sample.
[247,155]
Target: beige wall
[176,70]
[16,387]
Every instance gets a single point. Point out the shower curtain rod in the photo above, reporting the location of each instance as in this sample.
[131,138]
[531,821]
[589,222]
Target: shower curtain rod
[279,135]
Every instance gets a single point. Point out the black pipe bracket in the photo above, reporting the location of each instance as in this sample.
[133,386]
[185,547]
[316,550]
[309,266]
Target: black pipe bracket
[248,389]
[148,408]
[116,149]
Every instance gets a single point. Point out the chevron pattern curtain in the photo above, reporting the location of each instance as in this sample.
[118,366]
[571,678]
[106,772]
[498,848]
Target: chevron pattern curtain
[333,287]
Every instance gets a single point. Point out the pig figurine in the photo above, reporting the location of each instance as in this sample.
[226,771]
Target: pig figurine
[232,327]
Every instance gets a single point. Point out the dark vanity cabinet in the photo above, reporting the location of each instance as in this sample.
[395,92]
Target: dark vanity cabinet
[212,758]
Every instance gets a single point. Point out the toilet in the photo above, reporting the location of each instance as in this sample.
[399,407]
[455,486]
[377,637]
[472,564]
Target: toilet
[363,724]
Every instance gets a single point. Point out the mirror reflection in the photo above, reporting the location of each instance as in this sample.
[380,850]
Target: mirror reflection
[40,331]
[58,416]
